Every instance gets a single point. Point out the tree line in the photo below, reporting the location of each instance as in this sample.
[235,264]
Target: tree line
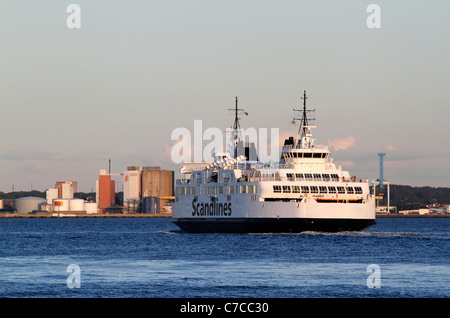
[403,196]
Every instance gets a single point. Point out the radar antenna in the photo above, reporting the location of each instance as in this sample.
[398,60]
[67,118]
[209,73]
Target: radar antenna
[304,119]
[236,133]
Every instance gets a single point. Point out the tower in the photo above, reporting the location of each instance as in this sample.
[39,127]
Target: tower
[106,195]
[381,155]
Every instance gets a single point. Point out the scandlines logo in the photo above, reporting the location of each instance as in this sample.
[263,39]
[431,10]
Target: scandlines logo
[214,208]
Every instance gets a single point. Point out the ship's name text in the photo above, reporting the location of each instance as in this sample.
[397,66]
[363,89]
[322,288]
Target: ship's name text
[213,208]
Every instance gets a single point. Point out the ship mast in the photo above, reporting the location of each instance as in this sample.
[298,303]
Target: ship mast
[236,126]
[303,120]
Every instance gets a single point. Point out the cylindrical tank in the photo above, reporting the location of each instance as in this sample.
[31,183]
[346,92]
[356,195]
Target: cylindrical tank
[61,205]
[151,205]
[28,204]
[76,205]
[91,207]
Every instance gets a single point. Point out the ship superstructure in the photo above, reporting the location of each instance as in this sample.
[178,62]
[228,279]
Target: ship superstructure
[304,191]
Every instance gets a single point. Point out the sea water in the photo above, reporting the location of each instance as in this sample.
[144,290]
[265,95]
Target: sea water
[151,257]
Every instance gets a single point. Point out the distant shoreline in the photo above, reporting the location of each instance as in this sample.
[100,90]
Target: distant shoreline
[397,215]
[70,215]
[168,215]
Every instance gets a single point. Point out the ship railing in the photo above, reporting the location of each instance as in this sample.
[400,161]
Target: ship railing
[288,147]
[183,181]
[276,177]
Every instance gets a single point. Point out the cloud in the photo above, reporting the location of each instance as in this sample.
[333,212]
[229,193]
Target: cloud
[21,155]
[390,148]
[347,164]
[342,144]
[64,156]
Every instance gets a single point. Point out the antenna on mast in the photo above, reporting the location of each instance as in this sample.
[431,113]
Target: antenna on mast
[236,126]
[304,119]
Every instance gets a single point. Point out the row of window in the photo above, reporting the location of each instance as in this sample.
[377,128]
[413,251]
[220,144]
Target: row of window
[312,177]
[218,189]
[243,189]
[232,189]
[316,189]
[185,190]
[305,155]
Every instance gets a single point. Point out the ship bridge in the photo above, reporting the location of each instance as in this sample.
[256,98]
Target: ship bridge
[303,150]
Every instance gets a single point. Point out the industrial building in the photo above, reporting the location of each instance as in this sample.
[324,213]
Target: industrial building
[66,189]
[143,183]
[105,191]
[62,190]
[60,200]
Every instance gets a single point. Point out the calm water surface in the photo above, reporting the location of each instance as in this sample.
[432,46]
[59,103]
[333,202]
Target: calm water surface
[151,257]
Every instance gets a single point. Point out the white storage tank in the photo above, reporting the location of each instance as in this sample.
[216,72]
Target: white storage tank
[61,205]
[76,205]
[91,207]
[28,204]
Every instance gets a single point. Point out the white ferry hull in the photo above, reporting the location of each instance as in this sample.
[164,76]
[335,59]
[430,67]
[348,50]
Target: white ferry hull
[243,215]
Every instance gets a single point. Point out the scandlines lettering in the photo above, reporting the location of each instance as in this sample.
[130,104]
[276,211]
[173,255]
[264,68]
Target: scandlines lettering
[213,208]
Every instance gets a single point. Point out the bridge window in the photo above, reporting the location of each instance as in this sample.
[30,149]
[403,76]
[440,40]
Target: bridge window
[334,177]
[314,189]
[277,189]
[305,189]
[295,189]
[286,189]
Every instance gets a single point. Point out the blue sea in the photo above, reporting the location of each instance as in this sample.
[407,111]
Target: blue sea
[152,258]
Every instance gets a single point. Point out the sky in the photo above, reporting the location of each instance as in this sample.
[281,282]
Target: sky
[118,86]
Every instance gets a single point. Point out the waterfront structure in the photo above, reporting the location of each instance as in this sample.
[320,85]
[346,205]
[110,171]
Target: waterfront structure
[66,189]
[105,191]
[62,190]
[51,195]
[304,191]
[26,205]
[132,187]
[147,182]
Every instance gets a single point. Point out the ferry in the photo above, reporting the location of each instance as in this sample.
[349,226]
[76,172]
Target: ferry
[303,191]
